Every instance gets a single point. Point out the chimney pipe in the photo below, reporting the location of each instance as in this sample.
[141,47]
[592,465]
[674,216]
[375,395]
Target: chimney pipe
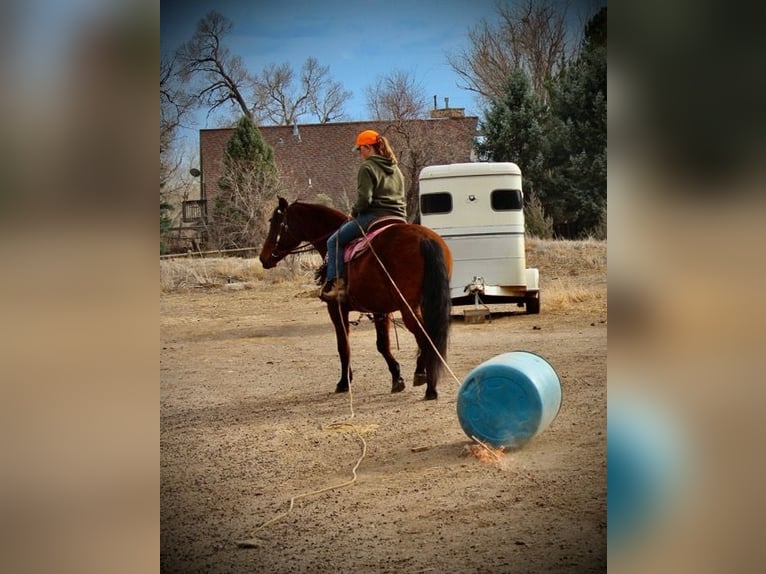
[446,103]
[435,106]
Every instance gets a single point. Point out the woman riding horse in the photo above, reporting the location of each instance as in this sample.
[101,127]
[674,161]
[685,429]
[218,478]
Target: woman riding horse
[407,268]
[380,192]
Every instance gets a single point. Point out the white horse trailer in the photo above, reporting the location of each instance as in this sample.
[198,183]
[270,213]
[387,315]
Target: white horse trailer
[478,209]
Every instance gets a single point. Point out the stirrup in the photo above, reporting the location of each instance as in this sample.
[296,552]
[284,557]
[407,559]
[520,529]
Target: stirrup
[336,293]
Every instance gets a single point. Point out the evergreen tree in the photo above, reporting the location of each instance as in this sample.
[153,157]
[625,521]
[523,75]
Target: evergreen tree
[514,130]
[249,183]
[578,136]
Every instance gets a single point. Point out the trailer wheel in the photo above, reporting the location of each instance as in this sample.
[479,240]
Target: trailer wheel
[532,303]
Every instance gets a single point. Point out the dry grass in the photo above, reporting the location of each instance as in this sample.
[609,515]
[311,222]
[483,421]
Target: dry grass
[567,256]
[571,272]
[185,274]
[562,295]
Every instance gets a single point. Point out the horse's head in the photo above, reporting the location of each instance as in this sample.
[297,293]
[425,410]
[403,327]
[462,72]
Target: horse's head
[279,241]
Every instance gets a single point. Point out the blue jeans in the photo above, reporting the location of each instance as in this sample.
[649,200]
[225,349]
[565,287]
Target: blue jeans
[338,241]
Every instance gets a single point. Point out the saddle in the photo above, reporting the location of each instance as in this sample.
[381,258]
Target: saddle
[358,246]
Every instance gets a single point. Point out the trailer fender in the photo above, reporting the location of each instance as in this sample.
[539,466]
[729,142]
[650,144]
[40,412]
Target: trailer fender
[533,279]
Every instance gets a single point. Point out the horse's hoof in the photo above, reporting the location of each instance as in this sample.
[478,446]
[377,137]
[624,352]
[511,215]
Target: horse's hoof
[431,396]
[341,389]
[419,379]
[398,386]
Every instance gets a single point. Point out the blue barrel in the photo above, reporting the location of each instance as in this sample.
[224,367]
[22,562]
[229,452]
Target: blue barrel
[509,399]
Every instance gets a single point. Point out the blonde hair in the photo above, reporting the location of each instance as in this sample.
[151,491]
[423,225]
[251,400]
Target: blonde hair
[382,147]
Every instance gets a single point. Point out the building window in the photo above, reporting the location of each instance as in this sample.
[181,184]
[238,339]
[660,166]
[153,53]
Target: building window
[194,211]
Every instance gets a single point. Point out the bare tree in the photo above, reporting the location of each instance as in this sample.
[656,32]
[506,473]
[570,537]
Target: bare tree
[278,101]
[529,35]
[175,103]
[220,77]
[278,97]
[397,96]
[282,100]
[416,147]
[327,97]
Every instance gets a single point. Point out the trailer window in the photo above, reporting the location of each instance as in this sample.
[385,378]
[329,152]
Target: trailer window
[506,199]
[435,203]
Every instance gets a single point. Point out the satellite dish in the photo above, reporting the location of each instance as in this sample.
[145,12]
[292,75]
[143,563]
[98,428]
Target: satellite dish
[195,172]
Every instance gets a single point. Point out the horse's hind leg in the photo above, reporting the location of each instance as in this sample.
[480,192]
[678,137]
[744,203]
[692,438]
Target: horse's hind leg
[383,342]
[424,347]
[419,378]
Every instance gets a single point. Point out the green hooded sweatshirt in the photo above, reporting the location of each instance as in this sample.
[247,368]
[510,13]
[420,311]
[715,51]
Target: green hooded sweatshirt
[379,188]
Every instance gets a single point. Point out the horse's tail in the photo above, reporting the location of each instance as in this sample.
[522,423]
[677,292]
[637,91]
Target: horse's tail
[436,305]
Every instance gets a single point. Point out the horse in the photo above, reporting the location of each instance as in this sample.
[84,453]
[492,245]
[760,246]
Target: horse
[407,269]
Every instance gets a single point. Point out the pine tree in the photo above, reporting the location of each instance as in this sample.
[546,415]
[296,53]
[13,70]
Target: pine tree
[249,183]
[514,130]
[578,135]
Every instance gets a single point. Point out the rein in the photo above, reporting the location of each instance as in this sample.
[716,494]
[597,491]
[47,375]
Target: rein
[302,248]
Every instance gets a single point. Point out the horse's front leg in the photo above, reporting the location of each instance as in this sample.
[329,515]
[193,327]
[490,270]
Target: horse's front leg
[339,316]
[383,342]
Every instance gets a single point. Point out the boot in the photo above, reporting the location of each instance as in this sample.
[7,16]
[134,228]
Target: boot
[335,291]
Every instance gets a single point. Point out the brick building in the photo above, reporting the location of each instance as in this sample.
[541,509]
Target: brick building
[317,159]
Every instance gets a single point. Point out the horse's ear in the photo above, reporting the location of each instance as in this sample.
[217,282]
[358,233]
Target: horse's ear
[282,203]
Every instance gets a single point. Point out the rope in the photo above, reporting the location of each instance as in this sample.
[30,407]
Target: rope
[253,542]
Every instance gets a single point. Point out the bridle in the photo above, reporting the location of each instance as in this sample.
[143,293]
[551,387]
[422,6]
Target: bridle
[302,247]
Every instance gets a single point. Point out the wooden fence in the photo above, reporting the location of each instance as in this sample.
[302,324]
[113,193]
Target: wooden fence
[215,253]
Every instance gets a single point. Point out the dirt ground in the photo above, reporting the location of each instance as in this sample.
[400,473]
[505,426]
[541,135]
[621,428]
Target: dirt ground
[248,421]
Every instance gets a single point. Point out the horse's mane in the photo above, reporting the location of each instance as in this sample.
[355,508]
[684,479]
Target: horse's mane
[320,207]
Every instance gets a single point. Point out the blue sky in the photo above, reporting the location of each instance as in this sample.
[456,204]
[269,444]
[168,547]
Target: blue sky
[360,41]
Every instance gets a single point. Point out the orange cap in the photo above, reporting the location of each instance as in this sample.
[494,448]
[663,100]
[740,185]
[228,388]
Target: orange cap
[367,137]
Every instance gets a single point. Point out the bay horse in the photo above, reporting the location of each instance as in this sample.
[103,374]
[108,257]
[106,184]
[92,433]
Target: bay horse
[407,269]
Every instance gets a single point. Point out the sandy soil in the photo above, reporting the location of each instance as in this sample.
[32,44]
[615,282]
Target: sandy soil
[248,421]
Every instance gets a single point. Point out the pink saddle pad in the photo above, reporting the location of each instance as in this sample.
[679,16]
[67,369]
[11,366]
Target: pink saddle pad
[358,246]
